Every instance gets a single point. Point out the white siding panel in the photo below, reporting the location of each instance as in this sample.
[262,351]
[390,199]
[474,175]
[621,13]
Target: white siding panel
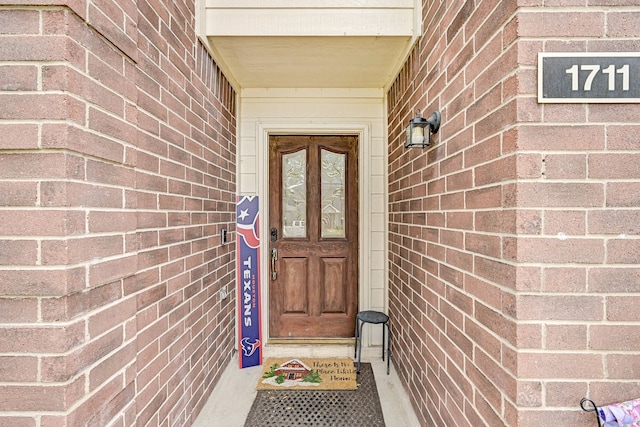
[378,295]
[378,240]
[378,200]
[375,331]
[378,258]
[378,182]
[379,129]
[248,165]
[357,109]
[296,95]
[309,22]
[377,221]
[343,4]
[378,166]
[248,183]
[377,283]
[378,145]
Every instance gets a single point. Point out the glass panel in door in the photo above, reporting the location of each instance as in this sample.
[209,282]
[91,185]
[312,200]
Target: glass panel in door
[333,193]
[294,194]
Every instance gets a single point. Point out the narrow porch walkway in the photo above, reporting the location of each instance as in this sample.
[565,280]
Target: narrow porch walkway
[231,400]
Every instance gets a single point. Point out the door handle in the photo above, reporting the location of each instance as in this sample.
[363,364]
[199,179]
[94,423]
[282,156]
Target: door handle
[274,258]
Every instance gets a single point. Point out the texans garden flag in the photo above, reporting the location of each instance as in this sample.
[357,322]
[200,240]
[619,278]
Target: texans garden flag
[248,266]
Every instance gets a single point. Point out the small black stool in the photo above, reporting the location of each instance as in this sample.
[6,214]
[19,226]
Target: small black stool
[375,317]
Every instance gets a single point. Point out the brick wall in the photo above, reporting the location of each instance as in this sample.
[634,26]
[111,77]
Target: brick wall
[514,237]
[117,172]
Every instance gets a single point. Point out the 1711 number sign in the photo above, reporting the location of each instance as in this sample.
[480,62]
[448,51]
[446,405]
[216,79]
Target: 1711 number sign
[589,77]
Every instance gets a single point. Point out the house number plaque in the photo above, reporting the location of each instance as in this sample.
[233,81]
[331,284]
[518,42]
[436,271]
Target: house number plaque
[604,77]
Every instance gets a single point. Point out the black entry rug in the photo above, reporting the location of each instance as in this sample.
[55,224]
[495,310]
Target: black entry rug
[335,408]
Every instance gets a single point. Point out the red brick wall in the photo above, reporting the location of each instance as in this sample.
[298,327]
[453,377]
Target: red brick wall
[514,238]
[117,172]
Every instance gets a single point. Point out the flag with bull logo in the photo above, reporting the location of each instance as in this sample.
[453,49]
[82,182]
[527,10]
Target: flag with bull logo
[248,266]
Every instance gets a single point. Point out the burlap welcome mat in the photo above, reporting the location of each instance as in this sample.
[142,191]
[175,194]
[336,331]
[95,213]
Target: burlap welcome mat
[319,408]
[308,374]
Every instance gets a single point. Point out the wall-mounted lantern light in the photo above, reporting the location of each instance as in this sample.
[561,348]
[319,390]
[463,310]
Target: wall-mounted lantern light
[419,130]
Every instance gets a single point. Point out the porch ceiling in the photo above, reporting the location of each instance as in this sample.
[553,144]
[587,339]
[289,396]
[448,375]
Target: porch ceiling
[325,43]
[318,62]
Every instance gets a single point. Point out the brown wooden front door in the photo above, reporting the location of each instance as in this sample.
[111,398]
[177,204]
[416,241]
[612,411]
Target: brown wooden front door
[313,228]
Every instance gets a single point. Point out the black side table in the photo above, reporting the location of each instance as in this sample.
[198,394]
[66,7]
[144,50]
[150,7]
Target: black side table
[374,317]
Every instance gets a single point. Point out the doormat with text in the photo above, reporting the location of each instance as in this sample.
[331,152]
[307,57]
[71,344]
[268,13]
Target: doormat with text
[320,408]
[308,374]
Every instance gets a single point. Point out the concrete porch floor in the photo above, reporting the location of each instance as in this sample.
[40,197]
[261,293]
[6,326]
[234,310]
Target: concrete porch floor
[232,398]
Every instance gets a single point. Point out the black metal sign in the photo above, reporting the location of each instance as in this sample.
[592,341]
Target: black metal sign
[605,77]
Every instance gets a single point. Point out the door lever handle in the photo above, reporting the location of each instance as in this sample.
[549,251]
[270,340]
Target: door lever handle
[274,258]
